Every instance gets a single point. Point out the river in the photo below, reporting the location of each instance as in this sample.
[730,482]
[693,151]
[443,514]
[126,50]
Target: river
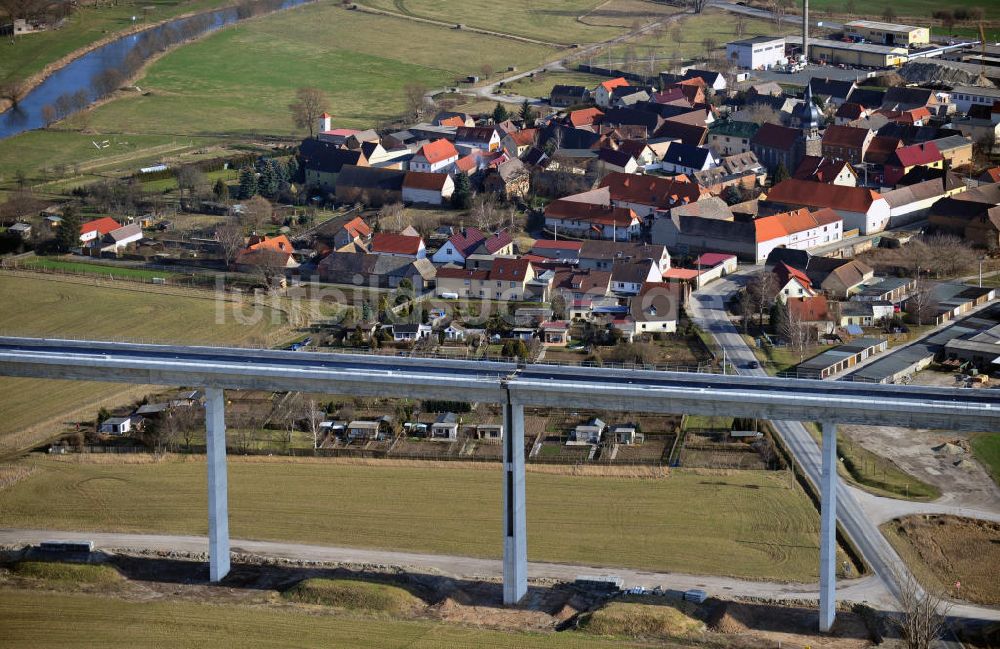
[87,79]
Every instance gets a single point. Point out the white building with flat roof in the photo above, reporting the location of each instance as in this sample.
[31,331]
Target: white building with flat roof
[759,52]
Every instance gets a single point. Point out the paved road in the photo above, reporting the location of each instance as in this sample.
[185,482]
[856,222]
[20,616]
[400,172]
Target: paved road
[709,312]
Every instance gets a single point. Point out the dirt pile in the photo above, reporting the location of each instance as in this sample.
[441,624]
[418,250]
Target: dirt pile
[943,72]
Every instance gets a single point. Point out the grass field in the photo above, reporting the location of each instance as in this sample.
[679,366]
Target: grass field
[42,307]
[68,573]
[688,522]
[541,84]
[219,85]
[354,595]
[942,550]
[715,24]
[77,267]
[557,21]
[986,448]
[57,621]
[643,620]
[30,53]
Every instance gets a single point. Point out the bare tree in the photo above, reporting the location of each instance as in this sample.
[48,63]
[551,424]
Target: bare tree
[393,213]
[697,5]
[762,289]
[796,333]
[485,212]
[309,104]
[256,212]
[268,265]
[314,417]
[231,240]
[416,103]
[48,115]
[192,180]
[923,614]
[761,114]
[922,305]
[13,91]
[741,26]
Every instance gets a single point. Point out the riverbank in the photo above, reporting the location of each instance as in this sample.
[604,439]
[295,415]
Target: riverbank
[30,83]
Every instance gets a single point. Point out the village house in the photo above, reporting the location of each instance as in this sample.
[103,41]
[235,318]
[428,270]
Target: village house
[592,221]
[906,158]
[603,94]
[377,271]
[681,158]
[354,231]
[973,215]
[323,161]
[484,138]
[730,137]
[656,307]
[427,188]
[860,208]
[605,255]
[846,143]
[369,185]
[555,333]
[776,145]
[647,194]
[398,245]
[91,231]
[469,241]
[826,170]
[507,279]
[792,282]
[272,252]
[813,311]
[510,179]
[563,96]
[410,332]
[435,157]
[118,239]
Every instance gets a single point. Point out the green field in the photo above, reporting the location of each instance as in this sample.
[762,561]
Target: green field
[78,267]
[553,21]
[687,522]
[541,84]
[872,10]
[32,52]
[44,620]
[986,447]
[44,307]
[221,85]
[716,24]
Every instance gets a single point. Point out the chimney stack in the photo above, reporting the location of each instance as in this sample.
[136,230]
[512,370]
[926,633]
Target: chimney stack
[805,30]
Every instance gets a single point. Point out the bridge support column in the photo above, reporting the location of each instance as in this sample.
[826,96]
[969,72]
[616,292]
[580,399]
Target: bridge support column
[828,529]
[218,489]
[515,544]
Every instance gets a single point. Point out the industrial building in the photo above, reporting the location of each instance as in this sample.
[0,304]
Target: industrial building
[757,53]
[865,55]
[888,33]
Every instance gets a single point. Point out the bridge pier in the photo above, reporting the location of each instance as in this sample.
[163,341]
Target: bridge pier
[828,529]
[515,544]
[218,491]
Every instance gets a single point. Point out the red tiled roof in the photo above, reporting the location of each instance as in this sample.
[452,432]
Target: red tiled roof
[454,120]
[652,190]
[524,137]
[102,225]
[468,163]
[399,244]
[357,227]
[845,136]
[880,149]
[775,136]
[424,180]
[711,259]
[786,273]
[680,274]
[611,84]
[510,270]
[600,214]
[777,225]
[916,154]
[809,309]
[850,110]
[585,116]
[813,194]
[438,151]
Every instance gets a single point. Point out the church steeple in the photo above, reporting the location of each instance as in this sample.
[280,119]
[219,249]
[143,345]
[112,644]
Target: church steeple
[809,116]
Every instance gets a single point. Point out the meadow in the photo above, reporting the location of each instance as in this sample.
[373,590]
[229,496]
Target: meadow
[29,54]
[986,447]
[46,619]
[362,62]
[49,307]
[686,522]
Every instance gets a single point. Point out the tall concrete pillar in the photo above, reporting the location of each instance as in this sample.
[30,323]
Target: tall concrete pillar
[515,544]
[218,489]
[828,529]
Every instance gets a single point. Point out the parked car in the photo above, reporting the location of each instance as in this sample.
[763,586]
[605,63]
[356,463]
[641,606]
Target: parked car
[753,365]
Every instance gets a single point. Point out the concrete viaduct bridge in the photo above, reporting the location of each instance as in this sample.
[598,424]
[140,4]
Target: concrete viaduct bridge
[513,387]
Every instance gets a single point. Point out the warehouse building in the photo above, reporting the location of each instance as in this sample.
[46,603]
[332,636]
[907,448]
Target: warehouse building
[757,53]
[888,33]
[865,55]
